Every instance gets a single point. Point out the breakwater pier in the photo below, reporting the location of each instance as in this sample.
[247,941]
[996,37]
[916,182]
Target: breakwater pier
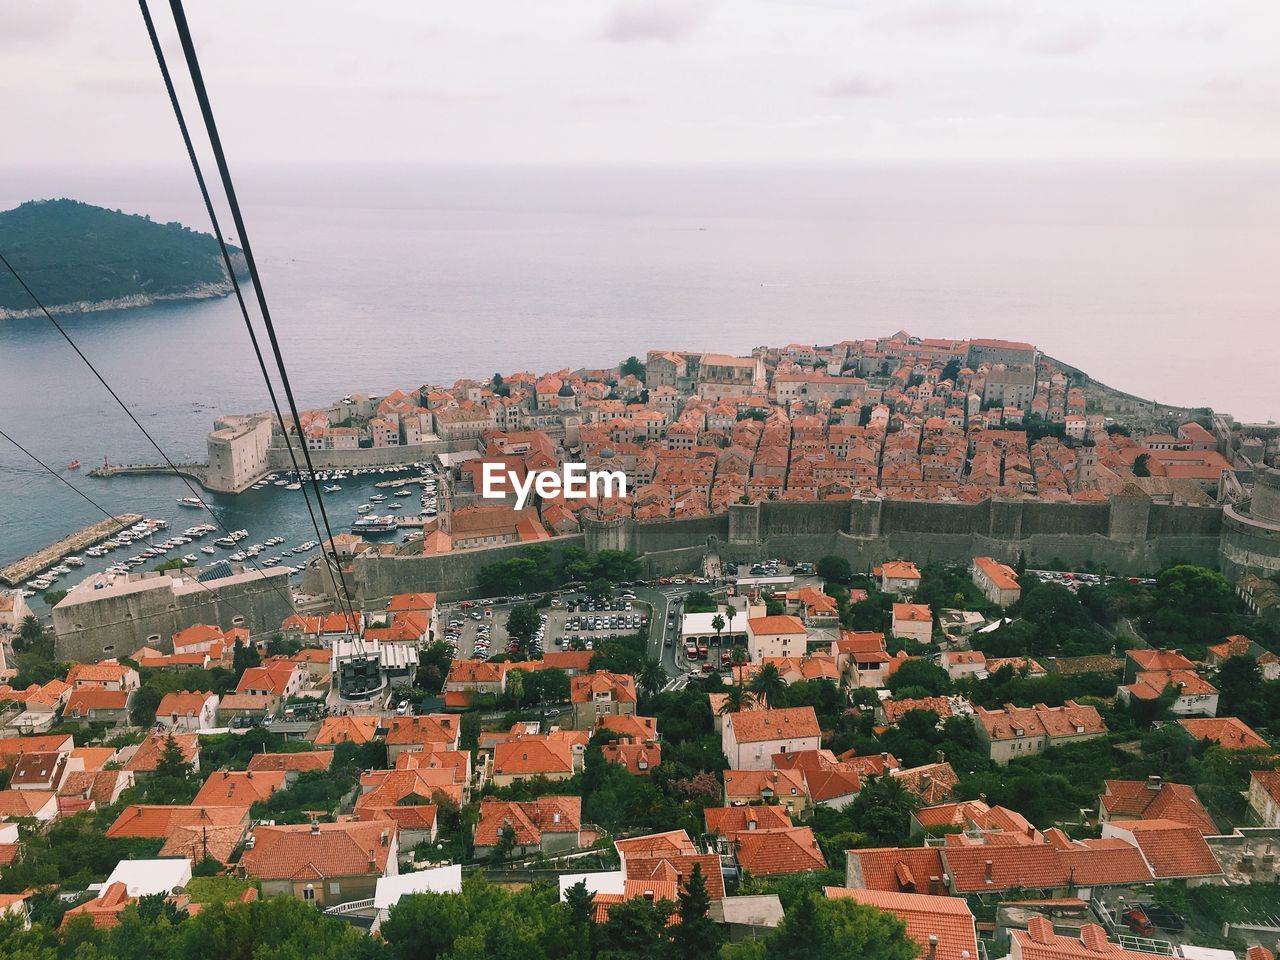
[30,565]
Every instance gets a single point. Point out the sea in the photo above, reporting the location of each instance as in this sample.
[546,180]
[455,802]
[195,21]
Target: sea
[1156,279]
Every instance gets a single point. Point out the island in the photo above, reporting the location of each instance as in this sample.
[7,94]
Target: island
[78,258]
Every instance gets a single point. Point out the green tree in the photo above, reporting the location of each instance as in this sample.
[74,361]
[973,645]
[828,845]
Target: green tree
[522,623]
[1142,465]
[30,630]
[632,367]
[652,678]
[736,699]
[717,624]
[142,710]
[921,675]
[636,929]
[882,811]
[839,929]
[244,656]
[696,935]
[835,569]
[768,686]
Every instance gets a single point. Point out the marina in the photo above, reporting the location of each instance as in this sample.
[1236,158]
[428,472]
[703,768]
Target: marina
[32,564]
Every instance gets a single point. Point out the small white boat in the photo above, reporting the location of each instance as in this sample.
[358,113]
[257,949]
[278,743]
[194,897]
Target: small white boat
[293,486]
[331,488]
[195,502]
[191,558]
[73,561]
[208,550]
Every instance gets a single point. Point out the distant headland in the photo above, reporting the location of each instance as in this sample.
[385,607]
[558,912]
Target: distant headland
[78,258]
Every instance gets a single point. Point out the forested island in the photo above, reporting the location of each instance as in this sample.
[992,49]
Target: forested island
[77,257]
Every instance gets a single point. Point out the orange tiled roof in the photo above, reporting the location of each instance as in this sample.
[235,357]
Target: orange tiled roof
[1173,849]
[238,788]
[151,750]
[529,819]
[1147,800]
[769,853]
[949,919]
[335,730]
[755,726]
[141,820]
[299,761]
[1229,732]
[318,851]
[530,756]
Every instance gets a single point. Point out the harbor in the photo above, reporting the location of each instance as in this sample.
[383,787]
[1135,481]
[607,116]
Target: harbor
[27,567]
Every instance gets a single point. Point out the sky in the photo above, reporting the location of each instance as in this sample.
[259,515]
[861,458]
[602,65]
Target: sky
[653,81]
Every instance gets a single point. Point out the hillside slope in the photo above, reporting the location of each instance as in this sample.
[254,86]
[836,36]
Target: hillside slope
[77,257]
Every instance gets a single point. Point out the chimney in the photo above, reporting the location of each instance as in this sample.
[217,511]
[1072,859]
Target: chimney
[1153,782]
[648,895]
[933,946]
[935,886]
[986,871]
[385,838]
[555,817]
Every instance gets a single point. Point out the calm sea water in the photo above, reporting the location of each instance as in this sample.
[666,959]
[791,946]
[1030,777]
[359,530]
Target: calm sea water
[1157,280]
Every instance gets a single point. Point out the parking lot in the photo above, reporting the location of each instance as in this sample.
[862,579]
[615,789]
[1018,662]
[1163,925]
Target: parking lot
[573,622]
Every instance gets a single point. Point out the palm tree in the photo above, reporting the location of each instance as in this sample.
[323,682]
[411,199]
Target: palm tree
[717,624]
[768,685]
[730,612]
[31,629]
[652,678]
[736,699]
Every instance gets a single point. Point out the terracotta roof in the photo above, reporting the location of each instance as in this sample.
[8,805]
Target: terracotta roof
[932,782]
[1105,861]
[140,820]
[1070,719]
[567,659]
[334,730]
[729,821]
[1150,684]
[238,788]
[318,851]
[200,633]
[899,869]
[23,803]
[151,750]
[778,624]
[912,613]
[196,842]
[638,756]
[13,747]
[772,852]
[439,729]
[1172,849]
[1229,732]
[894,710]
[475,671]
[412,601]
[668,844]
[1269,781]
[628,725]
[1148,800]
[1010,866]
[530,756]
[676,869]
[825,785]
[105,910]
[584,688]
[301,760]
[756,726]
[753,784]
[529,819]
[84,699]
[183,703]
[1159,660]
[1039,942]
[946,918]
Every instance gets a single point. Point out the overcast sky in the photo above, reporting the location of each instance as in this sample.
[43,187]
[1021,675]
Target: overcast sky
[621,81]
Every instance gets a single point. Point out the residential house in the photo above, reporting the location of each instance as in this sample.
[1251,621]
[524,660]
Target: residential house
[187,712]
[997,581]
[1264,797]
[238,788]
[420,734]
[1021,731]
[751,738]
[913,621]
[898,576]
[596,694]
[528,757]
[322,863]
[1231,733]
[1192,694]
[773,852]
[98,705]
[785,788]
[777,636]
[144,760]
[108,675]
[637,755]
[1153,799]
[549,824]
